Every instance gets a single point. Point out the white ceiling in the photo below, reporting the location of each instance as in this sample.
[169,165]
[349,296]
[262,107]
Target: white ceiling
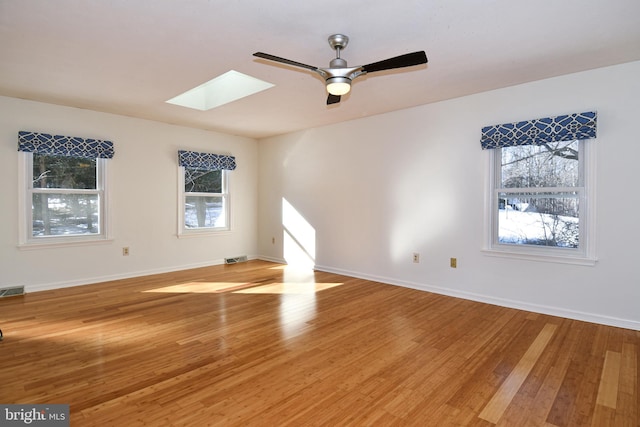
[129,56]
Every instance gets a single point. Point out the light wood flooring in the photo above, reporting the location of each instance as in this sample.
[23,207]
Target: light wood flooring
[258,344]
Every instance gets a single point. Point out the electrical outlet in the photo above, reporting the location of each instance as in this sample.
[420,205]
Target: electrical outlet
[125,251]
[454,262]
[416,257]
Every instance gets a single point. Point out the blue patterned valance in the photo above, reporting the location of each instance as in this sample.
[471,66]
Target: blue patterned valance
[206,161]
[567,127]
[71,146]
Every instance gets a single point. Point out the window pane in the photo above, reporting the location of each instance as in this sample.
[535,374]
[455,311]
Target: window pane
[65,214]
[63,172]
[204,211]
[538,219]
[202,181]
[549,165]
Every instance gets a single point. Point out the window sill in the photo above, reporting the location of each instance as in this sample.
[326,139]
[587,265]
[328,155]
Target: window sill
[203,233]
[529,256]
[58,243]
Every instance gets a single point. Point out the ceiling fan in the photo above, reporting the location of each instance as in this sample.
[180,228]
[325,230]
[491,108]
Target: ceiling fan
[338,76]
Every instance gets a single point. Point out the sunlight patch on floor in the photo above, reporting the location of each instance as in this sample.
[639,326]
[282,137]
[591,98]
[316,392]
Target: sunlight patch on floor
[288,288]
[201,287]
[245,288]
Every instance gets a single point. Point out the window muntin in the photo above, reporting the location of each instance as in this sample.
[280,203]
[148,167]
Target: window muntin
[204,200]
[539,199]
[64,198]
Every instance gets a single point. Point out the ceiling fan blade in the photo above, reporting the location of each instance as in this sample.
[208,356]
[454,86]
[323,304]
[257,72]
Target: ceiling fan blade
[333,99]
[284,61]
[406,60]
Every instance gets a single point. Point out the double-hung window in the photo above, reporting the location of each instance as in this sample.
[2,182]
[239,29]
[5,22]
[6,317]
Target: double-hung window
[540,198]
[203,192]
[64,197]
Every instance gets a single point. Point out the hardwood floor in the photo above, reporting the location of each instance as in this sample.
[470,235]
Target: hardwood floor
[260,344]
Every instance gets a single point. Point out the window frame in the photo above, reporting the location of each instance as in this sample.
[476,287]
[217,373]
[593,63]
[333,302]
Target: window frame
[183,231]
[26,240]
[584,254]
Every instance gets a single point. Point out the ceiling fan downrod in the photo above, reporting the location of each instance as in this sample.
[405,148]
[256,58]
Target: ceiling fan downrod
[337,43]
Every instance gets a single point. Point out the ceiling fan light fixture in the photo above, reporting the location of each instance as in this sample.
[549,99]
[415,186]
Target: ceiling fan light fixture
[338,85]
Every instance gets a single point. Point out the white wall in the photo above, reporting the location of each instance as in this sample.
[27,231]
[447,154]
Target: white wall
[377,189]
[144,207]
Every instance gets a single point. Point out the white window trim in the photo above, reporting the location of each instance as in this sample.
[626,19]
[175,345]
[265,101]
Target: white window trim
[585,255]
[26,241]
[184,232]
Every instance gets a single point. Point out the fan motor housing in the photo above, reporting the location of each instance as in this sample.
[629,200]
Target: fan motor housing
[338,63]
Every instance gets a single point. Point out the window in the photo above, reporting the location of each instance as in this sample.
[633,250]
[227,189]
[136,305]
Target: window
[63,196]
[205,199]
[203,192]
[540,201]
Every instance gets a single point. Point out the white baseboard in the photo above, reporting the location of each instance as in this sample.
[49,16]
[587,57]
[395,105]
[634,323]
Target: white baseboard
[272,259]
[521,305]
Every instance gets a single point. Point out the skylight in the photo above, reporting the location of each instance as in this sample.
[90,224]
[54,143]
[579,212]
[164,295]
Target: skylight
[221,90]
